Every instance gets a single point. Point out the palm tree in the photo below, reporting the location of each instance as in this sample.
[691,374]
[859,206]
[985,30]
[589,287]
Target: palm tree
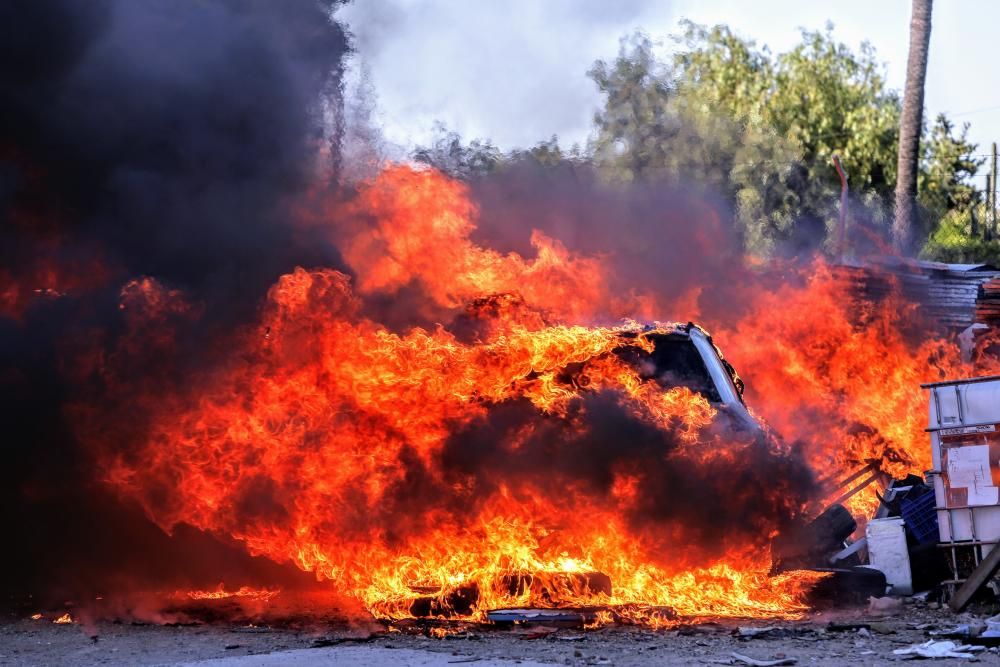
[910,125]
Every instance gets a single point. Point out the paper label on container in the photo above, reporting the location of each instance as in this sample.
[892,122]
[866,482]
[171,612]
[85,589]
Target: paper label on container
[971,460]
[969,467]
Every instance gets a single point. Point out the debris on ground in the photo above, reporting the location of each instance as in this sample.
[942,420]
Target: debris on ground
[771,632]
[747,660]
[962,631]
[884,606]
[940,649]
[767,631]
[565,616]
[991,634]
[827,639]
[537,632]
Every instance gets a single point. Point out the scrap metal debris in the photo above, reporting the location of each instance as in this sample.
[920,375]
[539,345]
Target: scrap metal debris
[563,615]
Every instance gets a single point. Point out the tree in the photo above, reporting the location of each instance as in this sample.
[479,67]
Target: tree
[448,154]
[637,116]
[954,239]
[761,130]
[947,164]
[911,124]
[757,128]
[479,158]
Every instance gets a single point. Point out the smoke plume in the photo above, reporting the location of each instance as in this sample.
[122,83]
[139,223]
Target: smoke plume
[138,138]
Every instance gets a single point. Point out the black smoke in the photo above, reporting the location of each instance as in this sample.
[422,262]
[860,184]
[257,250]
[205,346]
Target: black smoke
[159,138]
[661,238]
[731,489]
[174,139]
[169,133]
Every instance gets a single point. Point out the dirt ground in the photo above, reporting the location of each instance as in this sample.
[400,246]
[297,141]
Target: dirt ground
[851,636]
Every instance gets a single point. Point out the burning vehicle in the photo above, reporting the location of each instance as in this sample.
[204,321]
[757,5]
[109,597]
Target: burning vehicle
[265,388]
[683,355]
[223,346]
[496,456]
[667,356]
[628,419]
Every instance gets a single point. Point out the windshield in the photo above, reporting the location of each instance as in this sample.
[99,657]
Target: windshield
[674,362]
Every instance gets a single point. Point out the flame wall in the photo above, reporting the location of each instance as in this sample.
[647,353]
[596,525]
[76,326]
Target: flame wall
[402,386]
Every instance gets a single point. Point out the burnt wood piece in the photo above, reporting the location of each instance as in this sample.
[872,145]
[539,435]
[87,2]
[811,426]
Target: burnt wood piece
[550,585]
[456,602]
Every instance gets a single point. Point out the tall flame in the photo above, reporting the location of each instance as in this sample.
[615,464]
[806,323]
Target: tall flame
[331,442]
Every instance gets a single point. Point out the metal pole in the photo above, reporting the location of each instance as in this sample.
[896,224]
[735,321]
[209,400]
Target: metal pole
[987,218]
[993,190]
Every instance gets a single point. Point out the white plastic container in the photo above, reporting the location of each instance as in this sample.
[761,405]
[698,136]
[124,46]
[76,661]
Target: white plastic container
[965,450]
[887,553]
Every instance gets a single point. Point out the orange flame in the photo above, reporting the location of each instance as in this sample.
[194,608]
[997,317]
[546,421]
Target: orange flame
[220,593]
[849,390]
[298,446]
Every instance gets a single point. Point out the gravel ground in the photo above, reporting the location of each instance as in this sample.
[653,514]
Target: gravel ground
[847,636]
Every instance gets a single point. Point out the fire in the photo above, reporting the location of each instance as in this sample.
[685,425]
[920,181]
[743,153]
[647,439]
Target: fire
[243,592]
[64,619]
[523,461]
[849,390]
[423,222]
[420,385]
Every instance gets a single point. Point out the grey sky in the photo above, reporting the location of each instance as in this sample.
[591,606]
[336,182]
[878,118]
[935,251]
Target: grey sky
[515,70]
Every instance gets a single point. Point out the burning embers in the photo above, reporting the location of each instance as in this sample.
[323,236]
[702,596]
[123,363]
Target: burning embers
[509,458]
[220,593]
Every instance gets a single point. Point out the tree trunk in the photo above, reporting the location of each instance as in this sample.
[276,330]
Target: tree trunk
[910,125]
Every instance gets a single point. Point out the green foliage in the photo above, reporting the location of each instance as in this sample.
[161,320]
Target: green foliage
[762,129]
[649,129]
[723,72]
[944,191]
[479,157]
[759,129]
[448,154]
[955,240]
[948,164]
[545,154]
[827,100]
